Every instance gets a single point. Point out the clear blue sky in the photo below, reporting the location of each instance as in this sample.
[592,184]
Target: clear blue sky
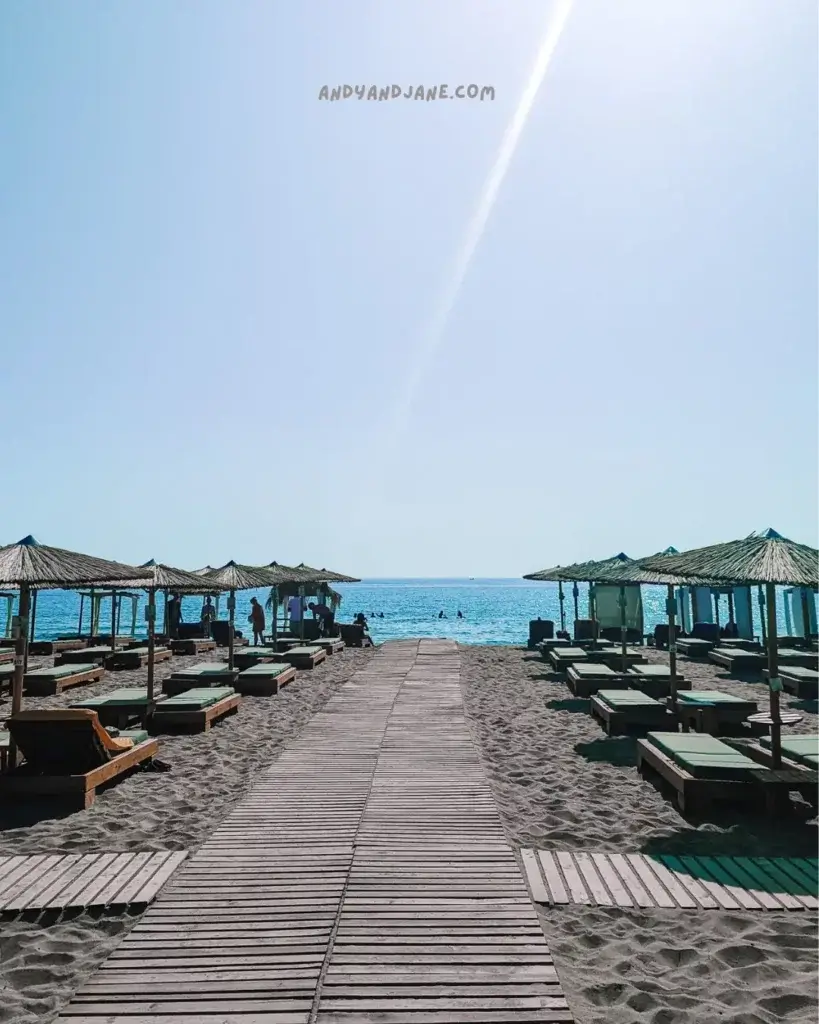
[215,286]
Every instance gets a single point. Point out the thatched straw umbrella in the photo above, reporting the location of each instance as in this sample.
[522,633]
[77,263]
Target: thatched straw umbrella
[162,577]
[232,577]
[32,566]
[282,576]
[310,575]
[560,574]
[590,572]
[766,558]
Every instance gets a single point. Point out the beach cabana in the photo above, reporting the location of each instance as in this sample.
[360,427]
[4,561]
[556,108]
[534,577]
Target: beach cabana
[31,566]
[590,572]
[765,558]
[232,577]
[561,574]
[310,575]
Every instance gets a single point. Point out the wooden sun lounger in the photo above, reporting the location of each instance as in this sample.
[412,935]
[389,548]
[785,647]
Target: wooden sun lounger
[613,657]
[206,673]
[136,657]
[740,644]
[52,647]
[104,640]
[196,709]
[6,657]
[302,657]
[253,656]
[623,711]
[713,711]
[655,680]
[804,749]
[704,770]
[562,657]
[586,679]
[599,643]
[789,657]
[802,683]
[693,647]
[96,654]
[45,682]
[329,644]
[552,644]
[120,708]
[737,661]
[192,646]
[6,678]
[264,680]
[68,754]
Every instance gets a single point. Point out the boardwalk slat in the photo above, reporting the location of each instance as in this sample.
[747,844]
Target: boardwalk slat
[690,884]
[652,883]
[717,892]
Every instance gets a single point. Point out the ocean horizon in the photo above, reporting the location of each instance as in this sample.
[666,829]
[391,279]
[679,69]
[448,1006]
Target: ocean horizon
[494,610]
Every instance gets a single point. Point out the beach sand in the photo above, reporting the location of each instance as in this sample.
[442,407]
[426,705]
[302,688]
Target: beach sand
[43,963]
[561,784]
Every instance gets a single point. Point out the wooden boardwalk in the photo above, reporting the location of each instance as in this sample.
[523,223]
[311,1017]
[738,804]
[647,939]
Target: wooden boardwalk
[71,881]
[365,880]
[686,883]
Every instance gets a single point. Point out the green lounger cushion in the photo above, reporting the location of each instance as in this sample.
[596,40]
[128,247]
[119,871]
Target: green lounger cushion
[627,698]
[5,738]
[567,653]
[709,697]
[98,650]
[195,700]
[125,695]
[793,671]
[803,748]
[700,753]
[265,670]
[60,671]
[137,735]
[204,668]
[592,671]
[655,671]
[304,651]
[737,652]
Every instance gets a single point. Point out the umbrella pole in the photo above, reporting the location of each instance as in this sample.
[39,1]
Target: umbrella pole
[79,624]
[231,611]
[575,594]
[20,652]
[593,610]
[731,608]
[275,615]
[31,630]
[150,614]
[716,609]
[562,598]
[774,683]
[301,602]
[91,614]
[113,621]
[761,601]
[671,609]
[805,615]
[623,633]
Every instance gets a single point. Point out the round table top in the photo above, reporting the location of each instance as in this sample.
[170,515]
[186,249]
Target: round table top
[785,718]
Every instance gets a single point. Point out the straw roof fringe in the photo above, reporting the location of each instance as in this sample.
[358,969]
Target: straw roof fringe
[164,577]
[233,576]
[325,575]
[46,567]
[765,557]
[589,572]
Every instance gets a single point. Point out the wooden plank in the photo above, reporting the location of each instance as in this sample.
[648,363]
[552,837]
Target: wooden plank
[725,899]
[17,897]
[650,881]
[573,879]
[594,882]
[761,883]
[712,866]
[685,879]
[145,886]
[612,880]
[554,880]
[669,881]
[630,879]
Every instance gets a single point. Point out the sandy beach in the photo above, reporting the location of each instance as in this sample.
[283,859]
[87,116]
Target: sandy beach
[561,784]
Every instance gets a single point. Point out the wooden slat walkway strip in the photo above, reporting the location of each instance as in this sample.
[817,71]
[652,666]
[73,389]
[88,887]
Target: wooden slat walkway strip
[366,879]
[685,883]
[61,881]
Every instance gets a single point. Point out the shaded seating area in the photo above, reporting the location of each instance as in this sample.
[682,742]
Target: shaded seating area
[613,657]
[802,683]
[195,710]
[713,711]
[301,657]
[703,770]
[98,654]
[192,646]
[562,657]
[264,680]
[695,647]
[46,682]
[52,647]
[136,657]
[254,656]
[68,754]
[206,673]
[803,749]
[625,711]
[655,680]
[585,679]
[789,657]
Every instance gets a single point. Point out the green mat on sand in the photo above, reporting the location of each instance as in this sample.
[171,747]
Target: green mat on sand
[804,748]
[701,754]
[60,671]
[654,671]
[304,650]
[709,697]
[793,671]
[204,668]
[196,699]
[567,653]
[593,671]
[628,698]
[267,669]
[135,695]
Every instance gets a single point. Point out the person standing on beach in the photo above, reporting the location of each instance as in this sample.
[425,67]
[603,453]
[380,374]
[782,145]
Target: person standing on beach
[321,611]
[295,609]
[256,620]
[207,618]
[174,616]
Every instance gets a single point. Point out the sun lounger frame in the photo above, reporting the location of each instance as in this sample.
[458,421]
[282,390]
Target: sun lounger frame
[614,658]
[178,682]
[301,661]
[625,719]
[254,656]
[695,794]
[261,685]
[718,719]
[123,660]
[196,719]
[330,644]
[694,647]
[802,689]
[52,647]
[737,661]
[6,656]
[78,789]
[193,645]
[35,684]
[586,686]
[658,687]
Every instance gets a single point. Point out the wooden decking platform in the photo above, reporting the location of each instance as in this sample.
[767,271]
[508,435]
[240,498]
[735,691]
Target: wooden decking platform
[686,883]
[69,881]
[365,879]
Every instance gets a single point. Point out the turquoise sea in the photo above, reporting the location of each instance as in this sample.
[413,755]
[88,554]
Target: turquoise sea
[495,611]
